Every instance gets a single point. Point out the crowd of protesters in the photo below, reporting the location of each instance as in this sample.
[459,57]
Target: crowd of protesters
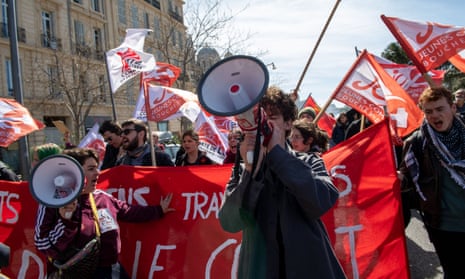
[430,165]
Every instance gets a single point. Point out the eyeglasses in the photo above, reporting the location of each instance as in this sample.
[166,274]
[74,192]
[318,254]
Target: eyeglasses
[128,131]
[295,137]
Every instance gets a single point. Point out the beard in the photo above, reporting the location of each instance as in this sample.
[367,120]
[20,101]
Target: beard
[131,145]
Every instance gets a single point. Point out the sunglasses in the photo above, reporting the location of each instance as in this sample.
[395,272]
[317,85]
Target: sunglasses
[128,131]
[108,139]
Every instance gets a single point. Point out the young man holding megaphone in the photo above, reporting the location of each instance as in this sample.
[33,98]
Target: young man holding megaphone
[278,204]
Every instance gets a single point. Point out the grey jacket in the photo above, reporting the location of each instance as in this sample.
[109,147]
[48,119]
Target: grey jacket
[279,214]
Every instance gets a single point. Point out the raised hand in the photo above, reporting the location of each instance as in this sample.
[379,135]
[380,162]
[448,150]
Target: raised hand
[165,203]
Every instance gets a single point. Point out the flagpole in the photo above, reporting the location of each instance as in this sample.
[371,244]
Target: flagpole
[296,90]
[111,89]
[17,84]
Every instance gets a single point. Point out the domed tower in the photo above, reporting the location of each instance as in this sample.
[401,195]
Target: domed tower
[206,57]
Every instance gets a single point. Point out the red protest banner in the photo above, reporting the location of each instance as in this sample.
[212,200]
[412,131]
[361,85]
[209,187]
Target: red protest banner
[366,227]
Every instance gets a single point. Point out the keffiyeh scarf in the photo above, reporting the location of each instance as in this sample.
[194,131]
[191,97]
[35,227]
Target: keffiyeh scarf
[448,148]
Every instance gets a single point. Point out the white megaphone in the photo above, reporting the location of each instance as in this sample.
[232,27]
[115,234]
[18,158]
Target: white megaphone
[57,180]
[233,87]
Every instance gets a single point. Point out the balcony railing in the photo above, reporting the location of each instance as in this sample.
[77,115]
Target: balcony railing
[176,16]
[51,42]
[154,3]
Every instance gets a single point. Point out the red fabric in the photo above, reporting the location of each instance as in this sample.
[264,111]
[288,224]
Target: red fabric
[15,122]
[409,77]
[369,89]
[458,61]
[363,170]
[165,74]
[326,122]
[189,243]
[164,103]
[428,44]
[213,133]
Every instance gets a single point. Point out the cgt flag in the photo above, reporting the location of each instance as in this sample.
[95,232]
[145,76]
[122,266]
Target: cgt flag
[15,122]
[129,59]
[428,44]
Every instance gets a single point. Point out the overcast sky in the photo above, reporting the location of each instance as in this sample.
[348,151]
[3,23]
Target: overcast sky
[288,30]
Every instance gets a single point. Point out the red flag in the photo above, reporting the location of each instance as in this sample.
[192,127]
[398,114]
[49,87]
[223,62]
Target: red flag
[428,44]
[409,77]
[368,212]
[213,133]
[15,122]
[94,140]
[369,89]
[164,103]
[326,122]
[458,61]
[164,74]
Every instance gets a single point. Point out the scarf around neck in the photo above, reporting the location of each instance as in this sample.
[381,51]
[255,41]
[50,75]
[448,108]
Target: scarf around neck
[449,148]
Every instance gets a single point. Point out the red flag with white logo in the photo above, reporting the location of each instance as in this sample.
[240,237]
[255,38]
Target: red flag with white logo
[164,74]
[15,122]
[326,122]
[369,89]
[409,77]
[428,44]
[94,140]
[458,61]
[367,225]
[165,103]
[129,59]
[213,133]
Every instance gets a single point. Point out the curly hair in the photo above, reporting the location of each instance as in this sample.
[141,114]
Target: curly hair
[279,102]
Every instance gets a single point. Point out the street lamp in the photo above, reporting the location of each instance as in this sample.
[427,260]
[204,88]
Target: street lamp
[272,65]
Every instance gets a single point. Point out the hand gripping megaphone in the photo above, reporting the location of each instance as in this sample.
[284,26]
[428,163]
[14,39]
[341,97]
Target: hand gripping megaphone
[57,180]
[233,87]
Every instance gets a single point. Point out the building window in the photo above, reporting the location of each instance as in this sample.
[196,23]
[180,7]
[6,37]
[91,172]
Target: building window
[180,41]
[9,77]
[101,83]
[134,17]
[78,1]
[162,126]
[122,11]
[5,31]
[98,43]
[47,28]
[146,21]
[96,5]
[173,37]
[79,33]
[54,81]
[156,27]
